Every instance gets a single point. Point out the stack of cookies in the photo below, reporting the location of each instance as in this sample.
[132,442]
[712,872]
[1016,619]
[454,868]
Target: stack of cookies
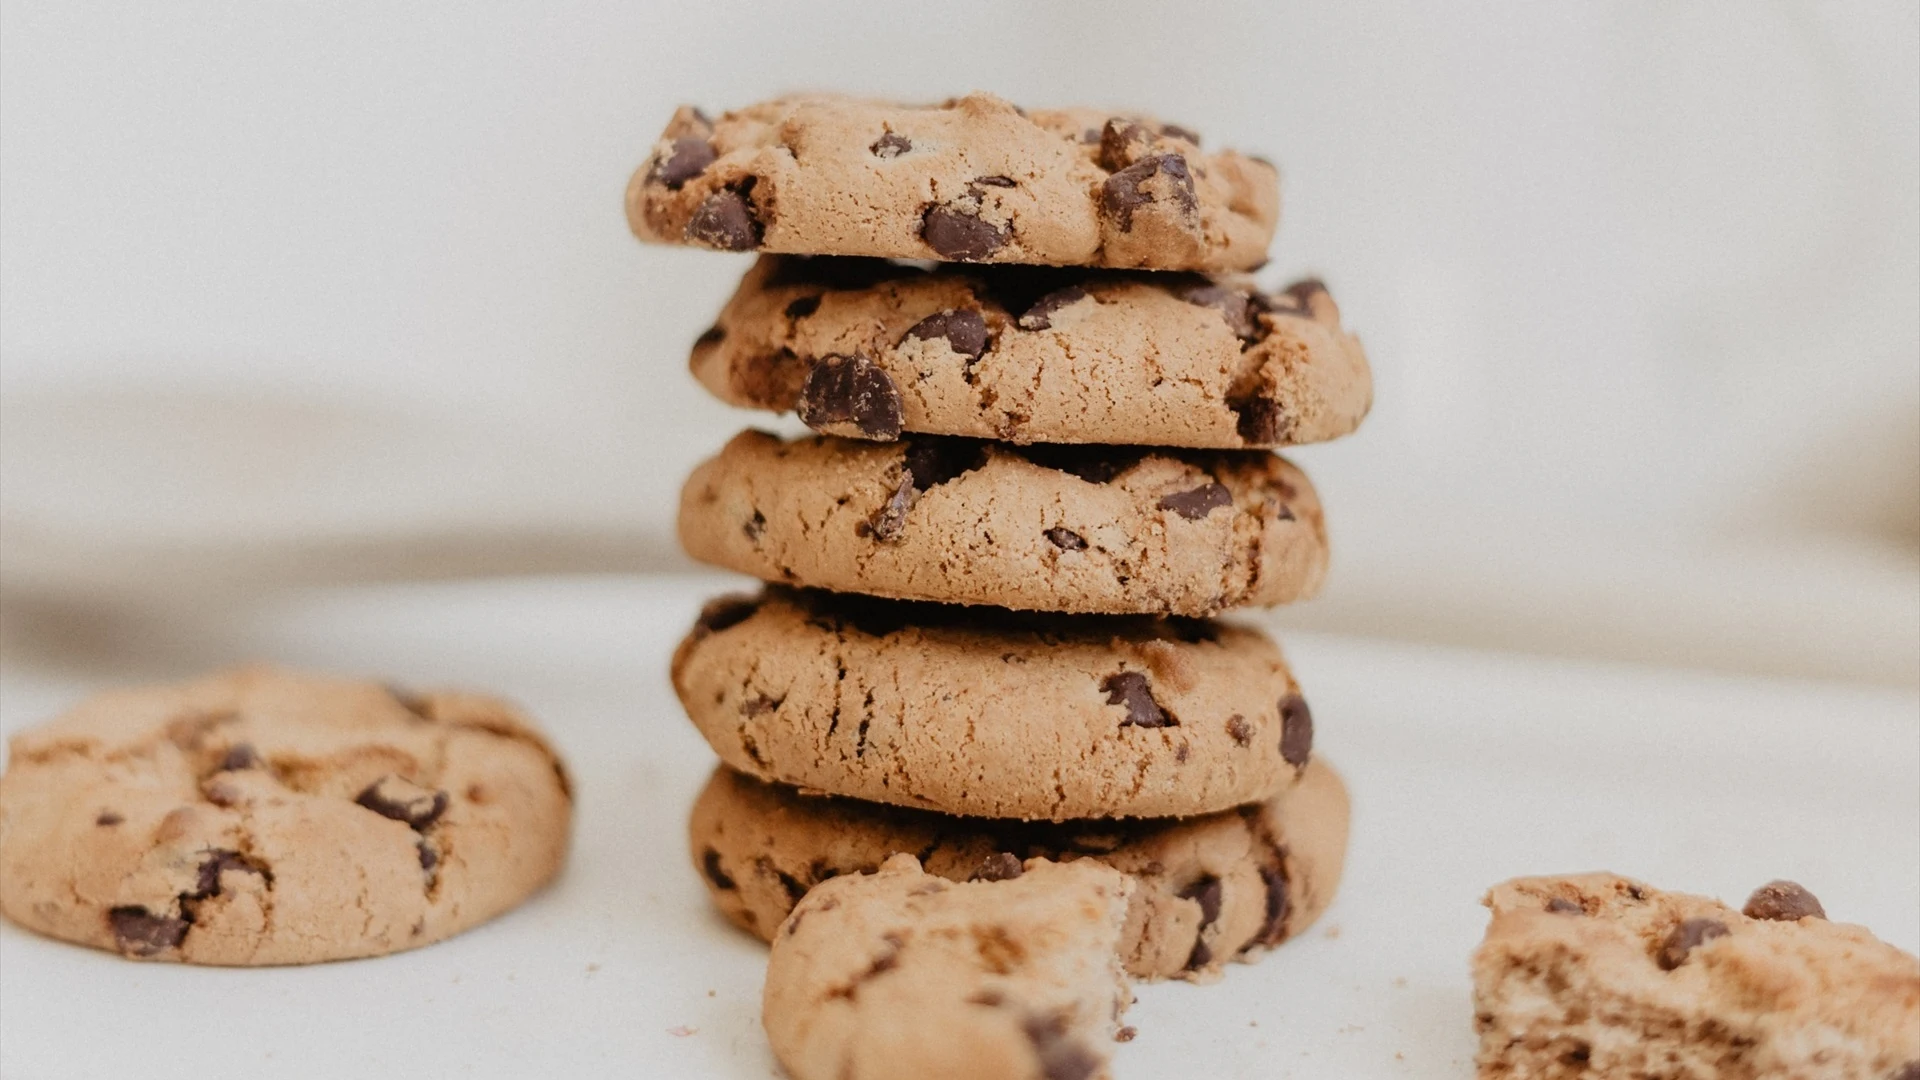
[1043,403]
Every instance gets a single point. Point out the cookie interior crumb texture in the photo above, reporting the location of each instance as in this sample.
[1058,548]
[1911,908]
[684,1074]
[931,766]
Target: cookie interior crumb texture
[1596,975]
[268,817]
[902,973]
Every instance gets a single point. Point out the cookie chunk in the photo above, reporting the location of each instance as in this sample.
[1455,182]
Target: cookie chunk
[267,817]
[867,348]
[992,713]
[901,973]
[1049,528]
[1596,975]
[971,180]
[1225,886]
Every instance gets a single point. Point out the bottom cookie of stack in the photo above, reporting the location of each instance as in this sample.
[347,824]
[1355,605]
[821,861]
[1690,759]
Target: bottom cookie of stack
[1228,885]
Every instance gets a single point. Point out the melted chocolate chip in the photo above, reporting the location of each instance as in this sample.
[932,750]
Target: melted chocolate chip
[240,756]
[1685,938]
[891,518]
[934,460]
[1783,901]
[1131,688]
[851,390]
[1040,315]
[108,818]
[1206,892]
[1066,539]
[392,797]
[890,145]
[1240,730]
[687,159]
[1561,906]
[964,329]
[1296,730]
[723,612]
[1004,866]
[1126,191]
[1273,928]
[1259,420]
[139,932]
[956,232]
[802,307]
[1198,502]
[1234,305]
[710,865]
[726,220]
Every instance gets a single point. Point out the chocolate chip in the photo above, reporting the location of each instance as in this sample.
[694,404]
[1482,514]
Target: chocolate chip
[995,181]
[726,221]
[1685,938]
[217,862]
[1004,866]
[1234,305]
[1296,730]
[1240,730]
[1125,191]
[1066,539]
[108,817]
[957,232]
[803,307]
[1562,906]
[1061,1057]
[723,612]
[1784,901]
[429,856]
[1040,315]
[851,390]
[964,329]
[754,525]
[1121,141]
[139,932]
[1131,688]
[1198,502]
[890,145]
[710,865]
[1177,132]
[1259,421]
[712,335]
[240,756]
[760,705]
[687,159]
[1206,892]
[1273,928]
[399,799]
[891,518]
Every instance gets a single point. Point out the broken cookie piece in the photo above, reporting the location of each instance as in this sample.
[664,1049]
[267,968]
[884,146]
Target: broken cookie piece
[1595,975]
[901,973]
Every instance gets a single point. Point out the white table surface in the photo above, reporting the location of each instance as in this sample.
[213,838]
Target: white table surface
[1465,768]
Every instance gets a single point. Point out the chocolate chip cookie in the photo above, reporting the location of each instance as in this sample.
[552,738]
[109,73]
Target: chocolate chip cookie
[268,817]
[1047,528]
[901,973]
[974,179]
[993,713]
[868,348]
[1596,975]
[1225,886]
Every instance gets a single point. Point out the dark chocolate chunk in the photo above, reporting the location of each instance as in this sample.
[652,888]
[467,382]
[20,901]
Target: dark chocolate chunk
[1131,688]
[108,818]
[851,390]
[754,525]
[1240,730]
[1562,906]
[396,798]
[723,612]
[1234,305]
[240,756]
[1206,892]
[1125,191]
[1685,938]
[1040,315]
[687,159]
[1198,502]
[802,307]
[1259,420]
[710,865]
[1296,730]
[888,521]
[726,221]
[956,231]
[429,857]
[139,932]
[1066,539]
[1273,928]
[934,460]
[1121,142]
[890,145]
[964,329]
[1785,901]
[1004,866]
[217,862]
[995,181]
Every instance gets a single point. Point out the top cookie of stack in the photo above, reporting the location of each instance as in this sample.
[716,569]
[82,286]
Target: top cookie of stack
[1136,335]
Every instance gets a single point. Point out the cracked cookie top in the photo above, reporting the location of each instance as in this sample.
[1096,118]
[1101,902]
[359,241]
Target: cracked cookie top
[974,179]
[266,817]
